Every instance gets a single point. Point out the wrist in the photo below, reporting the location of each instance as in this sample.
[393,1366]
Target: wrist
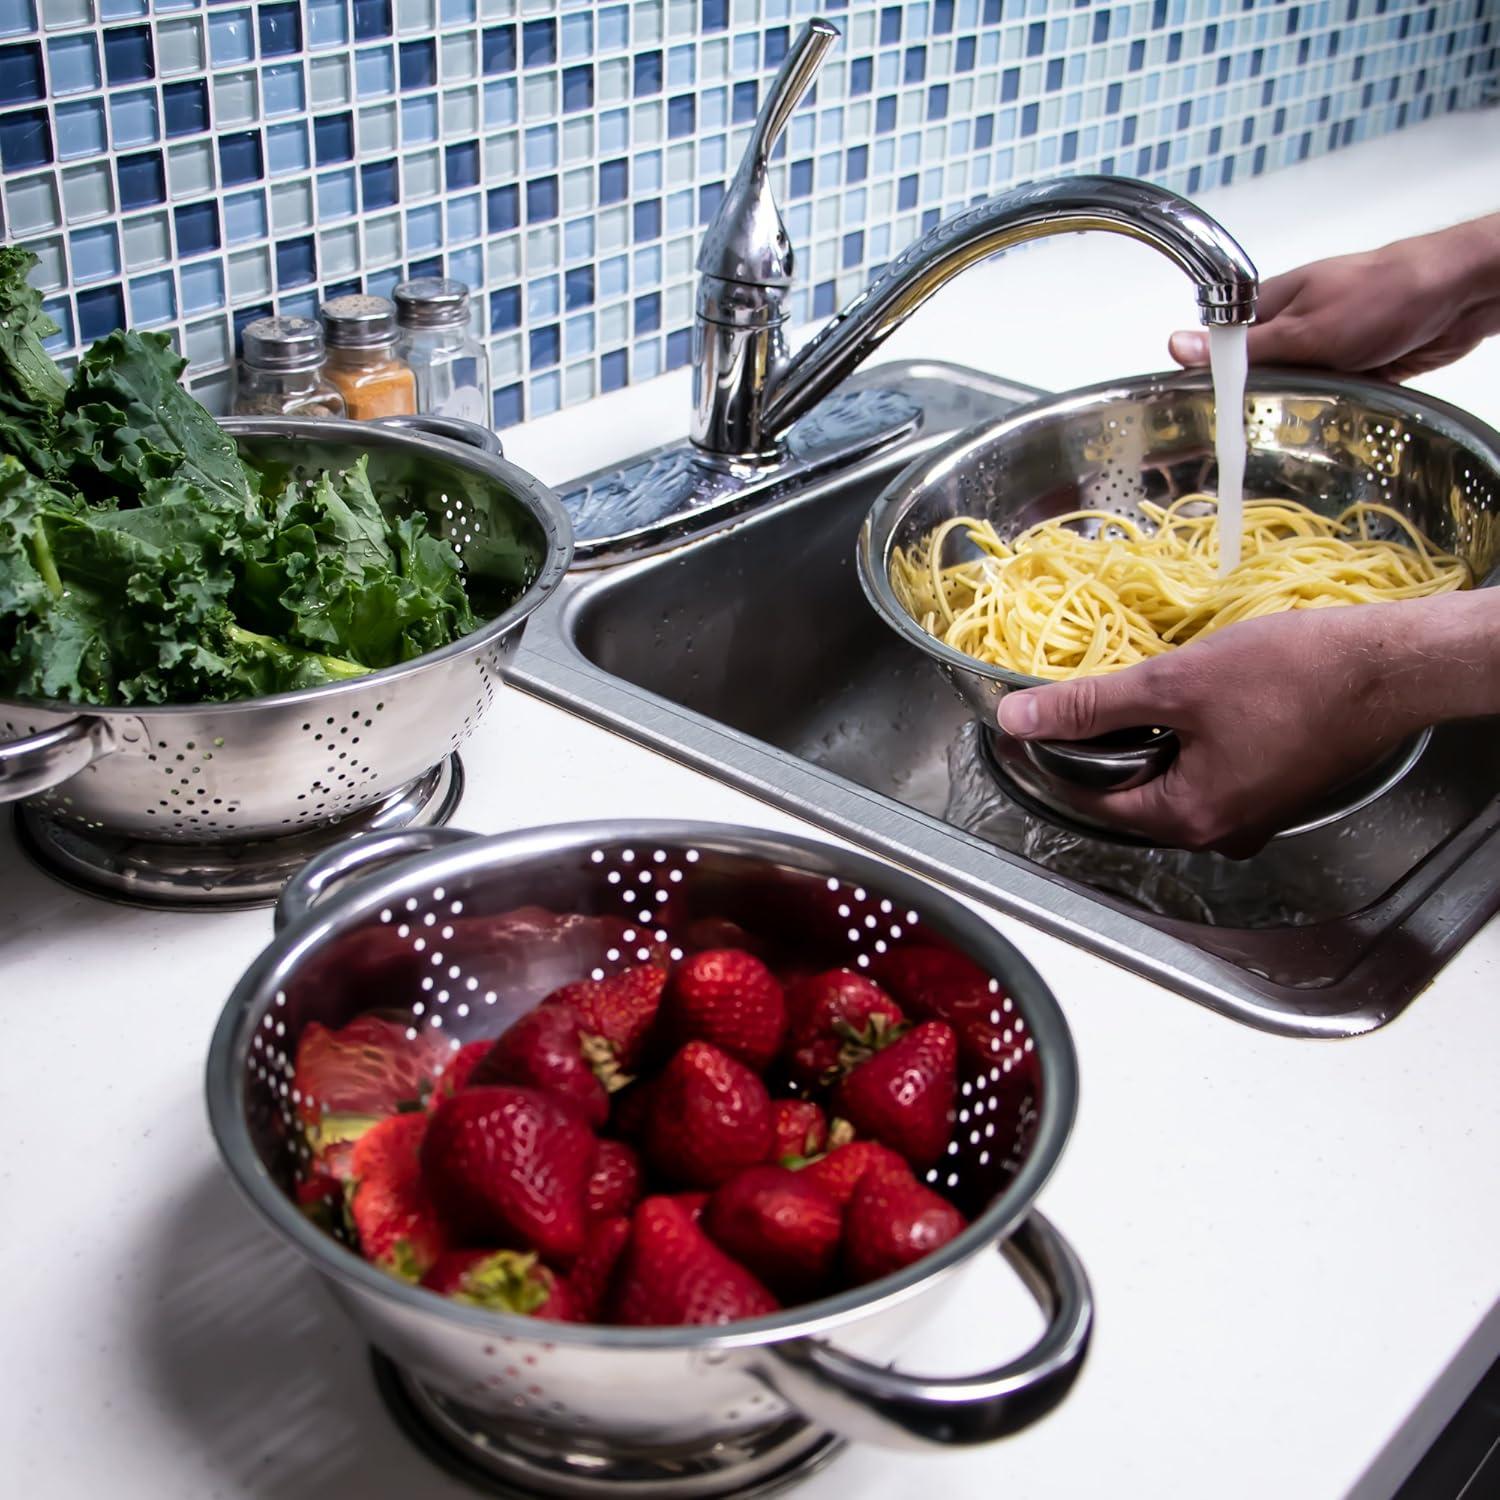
[1471,254]
[1434,660]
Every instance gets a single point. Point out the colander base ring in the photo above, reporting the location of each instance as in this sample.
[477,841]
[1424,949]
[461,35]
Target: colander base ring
[221,876]
[497,1462]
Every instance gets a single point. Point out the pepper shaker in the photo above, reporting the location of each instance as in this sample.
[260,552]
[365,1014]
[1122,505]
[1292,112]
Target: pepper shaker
[451,367]
[280,373]
[360,332]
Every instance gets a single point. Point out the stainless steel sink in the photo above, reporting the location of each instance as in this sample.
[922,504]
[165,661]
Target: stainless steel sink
[751,654]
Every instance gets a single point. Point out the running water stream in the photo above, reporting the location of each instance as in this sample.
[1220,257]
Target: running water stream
[1228,357]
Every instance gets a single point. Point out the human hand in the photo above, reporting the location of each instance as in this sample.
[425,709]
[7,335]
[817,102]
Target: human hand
[1392,313]
[1270,713]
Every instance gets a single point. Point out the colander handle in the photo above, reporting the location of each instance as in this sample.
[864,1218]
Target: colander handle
[875,1404]
[44,760]
[454,429]
[361,855]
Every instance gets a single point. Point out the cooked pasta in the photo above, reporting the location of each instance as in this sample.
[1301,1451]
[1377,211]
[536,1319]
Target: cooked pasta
[1055,602]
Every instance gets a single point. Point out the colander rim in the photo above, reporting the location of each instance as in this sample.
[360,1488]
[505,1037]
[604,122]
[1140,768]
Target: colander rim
[970,932]
[883,520]
[540,501]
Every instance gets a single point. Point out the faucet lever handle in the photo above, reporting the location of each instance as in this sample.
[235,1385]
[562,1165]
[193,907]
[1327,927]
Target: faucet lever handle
[798,69]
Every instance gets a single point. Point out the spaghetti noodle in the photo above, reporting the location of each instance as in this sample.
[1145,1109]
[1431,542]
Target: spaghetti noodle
[1055,602]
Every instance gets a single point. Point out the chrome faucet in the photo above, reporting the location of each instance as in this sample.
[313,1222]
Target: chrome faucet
[746,390]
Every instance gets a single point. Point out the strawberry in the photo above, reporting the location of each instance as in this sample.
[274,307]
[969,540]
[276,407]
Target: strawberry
[693,1204]
[507,1281]
[349,1078]
[779,1226]
[730,998]
[710,1116]
[615,1015]
[892,1221]
[389,1206]
[614,1185]
[799,1129]
[673,1273]
[509,1165]
[544,1048]
[842,1170]
[592,1276]
[840,1018]
[461,1065]
[631,1110]
[903,1096]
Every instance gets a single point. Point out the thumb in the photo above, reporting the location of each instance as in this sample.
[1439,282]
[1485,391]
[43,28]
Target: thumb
[1078,709]
[1189,348]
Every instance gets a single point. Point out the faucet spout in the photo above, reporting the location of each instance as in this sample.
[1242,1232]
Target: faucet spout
[1226,280]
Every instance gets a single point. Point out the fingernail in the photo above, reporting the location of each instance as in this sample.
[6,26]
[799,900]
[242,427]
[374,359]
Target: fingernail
[1018,714]
[1189,348]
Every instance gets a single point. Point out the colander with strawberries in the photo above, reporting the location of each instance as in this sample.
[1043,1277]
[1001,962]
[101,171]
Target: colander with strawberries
[638,1150]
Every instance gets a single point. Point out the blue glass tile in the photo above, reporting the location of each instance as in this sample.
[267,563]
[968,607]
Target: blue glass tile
[578,239]
[942,17]
[1030,114]
[296,262]
[890,25]
[937,102]
[418,64]
[647,360]
[542,302]
[545,345]
[337,198]
[133,118]
[541,199]
[680,212]
[202,286]
[383,283]
[127,55]
[614,131]
[197,228]
[906,192]
[280,30]
[299,305]
[579,336]
[281,90]
[424,228]
[577,88]
[505,309]
[245,217]
[647,220]
[327,23]
[62,315]
[503,206]
[746,53]
[614,370]
[930,219]
[74,64]
[682,116]
[17,18]
[646,77]
[914,68]
[861,77]
[539,43]
[467,266]
[21,74]
[965,54]
[577,33]
[378,184]
[500,102]
[458,12]
[885,113]
[1054,74]
[80,129]
[464,218]
[710,196]
[333,138]
[231,38]
[579,288]
[372,19]
[800,183]
[682,69]
[141,179]
[241,316]
[508,406]
[715,15]
[121,10]
[153,299]
[1069,152]
[778,38]
[350,288]
[25,140]
[95,253]
[286,148]
[101,310]
[541,148]
[419,120]
[500,49]
[679,348]
[648,266]
[614,277]
[648,314]
[374,72]
[614,28]
[185,107]
[461,166]
[984,132]
[648,172]
[746,102]
[240,158]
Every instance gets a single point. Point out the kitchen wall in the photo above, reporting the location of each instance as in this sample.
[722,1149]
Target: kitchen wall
[189,166]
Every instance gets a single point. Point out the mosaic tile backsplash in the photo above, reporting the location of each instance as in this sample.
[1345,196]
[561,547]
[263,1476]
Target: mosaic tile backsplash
[188,167]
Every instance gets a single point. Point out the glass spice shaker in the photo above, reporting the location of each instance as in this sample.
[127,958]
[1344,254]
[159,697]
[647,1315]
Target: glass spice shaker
[280,372]
[450,364]
[360,333]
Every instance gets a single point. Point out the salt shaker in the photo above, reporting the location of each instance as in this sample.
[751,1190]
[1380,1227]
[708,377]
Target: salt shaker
[281,371]
[450,364]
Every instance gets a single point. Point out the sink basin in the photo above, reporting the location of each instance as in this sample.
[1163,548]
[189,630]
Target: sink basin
[751,654]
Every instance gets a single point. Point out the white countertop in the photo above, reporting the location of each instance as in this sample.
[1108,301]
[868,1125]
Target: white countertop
[1294,1246]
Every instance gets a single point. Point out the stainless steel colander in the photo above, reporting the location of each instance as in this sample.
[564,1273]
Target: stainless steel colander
[265,768]
[464,937]
[1327,441]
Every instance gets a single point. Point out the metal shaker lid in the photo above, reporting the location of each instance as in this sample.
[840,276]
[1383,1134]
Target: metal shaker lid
[283,344]
[431,302]
[358,322]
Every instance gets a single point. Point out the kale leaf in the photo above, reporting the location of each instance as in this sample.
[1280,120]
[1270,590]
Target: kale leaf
[31,386]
